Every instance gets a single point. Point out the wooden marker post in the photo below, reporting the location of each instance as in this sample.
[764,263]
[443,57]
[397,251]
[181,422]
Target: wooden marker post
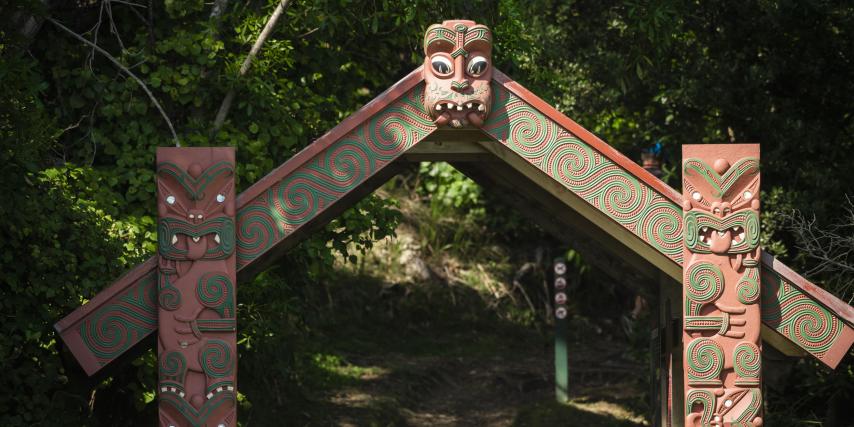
[722,351]
[561,344]
[196,339]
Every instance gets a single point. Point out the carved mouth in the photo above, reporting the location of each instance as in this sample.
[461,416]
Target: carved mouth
[459,115]
[706,234]
[452,106]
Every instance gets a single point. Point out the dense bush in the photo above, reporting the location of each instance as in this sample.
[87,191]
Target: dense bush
[79,136]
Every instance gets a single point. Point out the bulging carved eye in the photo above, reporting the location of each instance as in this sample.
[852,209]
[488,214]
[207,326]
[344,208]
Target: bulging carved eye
[477,66]
[441,65]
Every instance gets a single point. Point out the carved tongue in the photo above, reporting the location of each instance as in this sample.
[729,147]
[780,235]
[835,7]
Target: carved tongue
[475,119]
[442,120]
[196,248]
[720,241]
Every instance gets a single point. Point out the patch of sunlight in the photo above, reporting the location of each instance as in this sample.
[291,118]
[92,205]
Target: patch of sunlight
[337,366]
[608,408]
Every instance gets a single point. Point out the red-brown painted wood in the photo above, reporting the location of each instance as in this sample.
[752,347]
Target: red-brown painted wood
[197,277]
[96,315]
[721,318]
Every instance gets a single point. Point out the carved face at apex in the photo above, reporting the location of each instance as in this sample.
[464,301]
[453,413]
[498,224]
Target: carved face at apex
[457,73]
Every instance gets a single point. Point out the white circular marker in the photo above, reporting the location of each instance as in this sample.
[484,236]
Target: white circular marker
[170,200]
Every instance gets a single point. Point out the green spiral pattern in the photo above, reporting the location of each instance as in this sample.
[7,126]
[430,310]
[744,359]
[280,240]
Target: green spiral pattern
[168,295]
[323,180]
[586,172]
[216,291]
[172,367]
[216,360]
[748,286]
[705,360]
[747,363]
[124,321]
[796,316]
[257,231]
[705,282]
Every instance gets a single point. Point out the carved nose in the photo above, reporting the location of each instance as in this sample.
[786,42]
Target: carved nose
[460,86]
[196,215]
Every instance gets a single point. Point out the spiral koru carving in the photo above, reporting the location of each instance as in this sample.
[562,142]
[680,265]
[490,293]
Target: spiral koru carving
[747,364]
[705,282]
[592,176]
[705,360]
[331,174]
[126,320]
[257,232]
[215,358]
[168,295]
[172,367]
[748,286]
[216,291]
[796,316]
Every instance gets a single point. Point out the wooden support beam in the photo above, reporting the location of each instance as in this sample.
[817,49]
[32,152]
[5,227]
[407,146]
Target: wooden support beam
[554,217]
[196,287]
[721,316]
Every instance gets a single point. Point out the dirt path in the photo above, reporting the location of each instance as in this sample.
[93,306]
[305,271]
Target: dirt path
[497,390]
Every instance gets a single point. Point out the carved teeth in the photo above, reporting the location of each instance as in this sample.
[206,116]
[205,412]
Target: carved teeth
[704,229]
[703,238]
[216,238]
[741,236]
[174,239]
[480,107]
[196,239]
[468,105]
[459,108]
[438,107]
[721,233]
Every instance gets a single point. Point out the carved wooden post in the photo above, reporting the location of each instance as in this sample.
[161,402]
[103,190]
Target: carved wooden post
[196,341]
[721,313]
[561,342]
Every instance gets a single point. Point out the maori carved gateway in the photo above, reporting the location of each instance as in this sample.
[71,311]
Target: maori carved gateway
[197,272]
[721,285]
[459,102]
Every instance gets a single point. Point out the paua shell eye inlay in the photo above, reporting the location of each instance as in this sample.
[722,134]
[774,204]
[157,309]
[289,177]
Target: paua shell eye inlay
[441,65]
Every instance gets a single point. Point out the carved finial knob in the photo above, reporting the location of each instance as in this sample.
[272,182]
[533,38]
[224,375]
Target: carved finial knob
[721,166]
[195,170]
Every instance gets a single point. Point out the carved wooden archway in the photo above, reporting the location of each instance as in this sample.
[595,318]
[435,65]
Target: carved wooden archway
[609,204]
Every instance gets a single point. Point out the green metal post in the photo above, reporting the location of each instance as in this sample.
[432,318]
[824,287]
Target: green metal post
[561,320]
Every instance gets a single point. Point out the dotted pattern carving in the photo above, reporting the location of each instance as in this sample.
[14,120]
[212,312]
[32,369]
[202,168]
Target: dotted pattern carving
[132,315]
[722,319]
[586,172]
[196,339]
[331,174]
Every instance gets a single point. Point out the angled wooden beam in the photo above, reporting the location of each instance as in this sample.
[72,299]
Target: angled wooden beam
[650,210]
[276,211]
[271,214]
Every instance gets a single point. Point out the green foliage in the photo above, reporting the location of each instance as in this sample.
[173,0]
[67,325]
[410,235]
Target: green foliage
[56,248]
[79,136]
